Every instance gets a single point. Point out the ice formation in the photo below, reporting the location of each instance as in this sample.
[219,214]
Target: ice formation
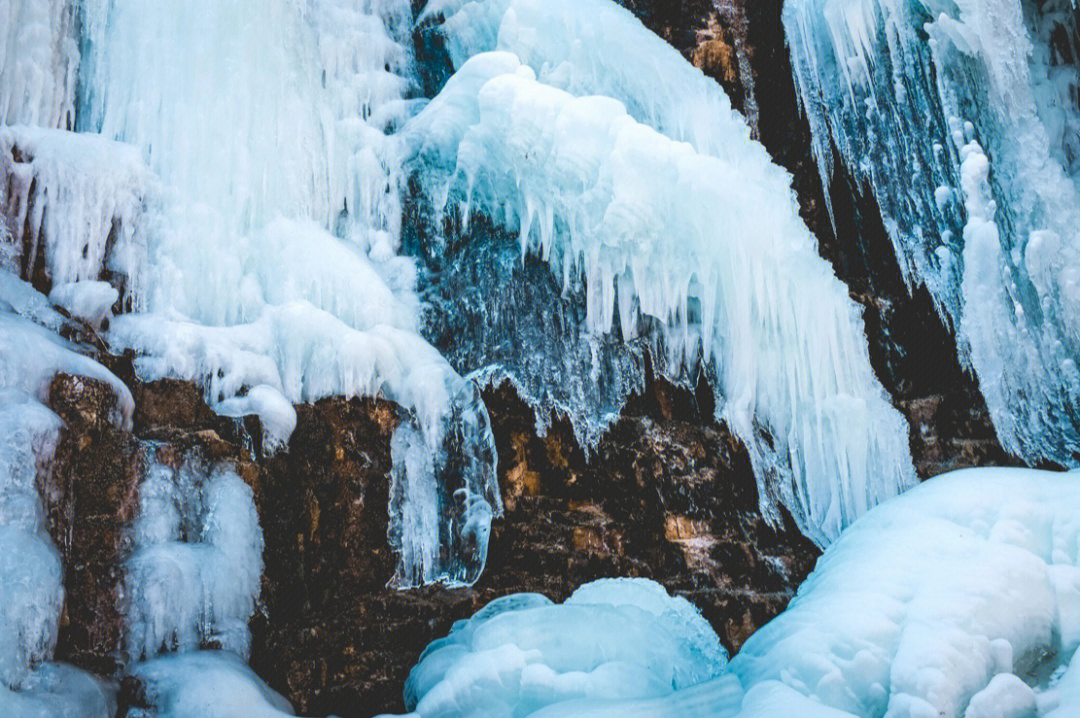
[206,684]
[39,59]
[271,268]
[73,206]
[615,638]
[962,117]
[959,599]
[683,239]
[196,569]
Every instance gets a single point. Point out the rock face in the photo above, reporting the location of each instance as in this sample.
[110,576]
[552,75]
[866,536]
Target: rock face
[666,496]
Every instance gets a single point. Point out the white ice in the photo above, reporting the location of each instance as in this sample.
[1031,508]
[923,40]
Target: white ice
[39,60]
[962,117]
[711,248]
[196,569]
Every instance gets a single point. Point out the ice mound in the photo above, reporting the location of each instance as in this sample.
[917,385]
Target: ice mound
[612,638]
[55,690]
[39,60]
[196,570]
[962,119]
[948,601]
[204,684]
[690,242]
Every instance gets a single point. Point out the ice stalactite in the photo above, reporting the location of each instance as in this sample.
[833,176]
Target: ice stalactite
[962,118]
[196,569]
[272,274]
[690,239]
[39,61]
[74,208]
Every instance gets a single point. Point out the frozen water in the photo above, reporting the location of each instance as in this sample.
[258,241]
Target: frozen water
[205,684]
[962,118]
[197,564]
[39,60]
[945,601]
[271,273]
[55,690]
[616,638]
[73,206]
[668,238]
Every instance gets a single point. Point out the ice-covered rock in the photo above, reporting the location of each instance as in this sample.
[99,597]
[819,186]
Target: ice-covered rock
[709,249]
[272,274]
[197,564]
[74,208]
[962,118]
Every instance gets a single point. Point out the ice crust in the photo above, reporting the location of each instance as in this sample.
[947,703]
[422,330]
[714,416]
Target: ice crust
[962,118]
[660,231]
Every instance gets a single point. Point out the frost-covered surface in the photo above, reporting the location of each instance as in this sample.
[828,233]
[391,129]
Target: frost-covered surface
[39,60]
[962,117]
[196,569]
[73,207]
[206,684]
[959,599]
[709,249]
[612,638]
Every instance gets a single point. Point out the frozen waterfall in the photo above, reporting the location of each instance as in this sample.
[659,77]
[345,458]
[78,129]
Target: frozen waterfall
[680,227]
[963,119]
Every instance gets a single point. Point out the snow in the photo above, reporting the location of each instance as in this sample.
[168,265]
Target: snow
[39,59]
[720,261]
[196,569]
[962,119]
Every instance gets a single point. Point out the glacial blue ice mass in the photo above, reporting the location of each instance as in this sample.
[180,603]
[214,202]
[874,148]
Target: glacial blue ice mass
[267,199]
